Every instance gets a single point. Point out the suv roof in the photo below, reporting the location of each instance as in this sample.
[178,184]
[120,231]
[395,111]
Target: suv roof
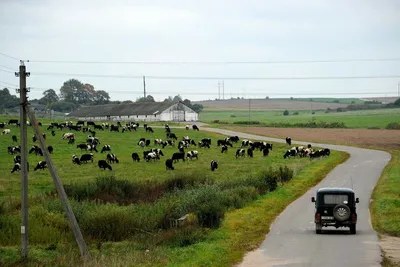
[335,190]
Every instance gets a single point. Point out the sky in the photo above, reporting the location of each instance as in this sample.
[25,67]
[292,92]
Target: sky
[203,31]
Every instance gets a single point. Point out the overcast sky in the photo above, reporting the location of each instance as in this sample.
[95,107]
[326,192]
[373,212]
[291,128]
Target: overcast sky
[245,30]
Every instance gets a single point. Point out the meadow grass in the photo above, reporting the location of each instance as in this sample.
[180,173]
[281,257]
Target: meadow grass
[135,234]
[379,118]
[385,209]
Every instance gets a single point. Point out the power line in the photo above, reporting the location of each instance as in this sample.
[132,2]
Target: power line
[9,84]
[6,67]
[216,62]
[8,71]
[213,78]
[5,55]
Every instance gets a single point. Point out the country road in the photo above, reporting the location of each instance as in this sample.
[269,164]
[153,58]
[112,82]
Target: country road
[292,240]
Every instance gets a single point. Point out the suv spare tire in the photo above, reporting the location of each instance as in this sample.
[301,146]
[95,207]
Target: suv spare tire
[341,212]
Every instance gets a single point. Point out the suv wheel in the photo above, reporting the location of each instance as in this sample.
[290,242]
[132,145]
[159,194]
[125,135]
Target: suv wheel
[353,229]
[341,212]
[318,228]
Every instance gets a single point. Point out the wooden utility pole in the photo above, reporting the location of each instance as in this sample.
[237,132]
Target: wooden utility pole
[144,87]
[24,159]
[59,186]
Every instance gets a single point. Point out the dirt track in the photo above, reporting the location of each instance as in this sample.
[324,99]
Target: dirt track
[386,139]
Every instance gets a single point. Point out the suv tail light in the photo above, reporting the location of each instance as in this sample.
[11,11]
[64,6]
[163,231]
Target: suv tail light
[354,218]
[317,217]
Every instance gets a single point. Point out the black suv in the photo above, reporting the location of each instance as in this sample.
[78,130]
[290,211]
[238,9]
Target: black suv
[335,207]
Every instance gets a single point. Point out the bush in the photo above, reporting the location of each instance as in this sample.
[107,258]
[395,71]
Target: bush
[185,236]
[296,113]
[286,112]
[270,178]
[209,207]
[393,126]
[286,174]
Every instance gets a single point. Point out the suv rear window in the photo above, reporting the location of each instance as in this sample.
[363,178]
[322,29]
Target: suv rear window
[336,199]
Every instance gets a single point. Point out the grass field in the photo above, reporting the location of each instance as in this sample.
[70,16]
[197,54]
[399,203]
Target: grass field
[352,119]
[129,223]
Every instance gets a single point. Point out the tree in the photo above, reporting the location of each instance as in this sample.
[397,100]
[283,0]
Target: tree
[101,97]
[286,113]
[68,91]
[49,96]
[149,98]
[397,102]
[8,100]
[177,98]
[196,107]
[63,106]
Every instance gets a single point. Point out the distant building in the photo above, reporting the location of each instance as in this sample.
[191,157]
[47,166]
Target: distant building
[144,111]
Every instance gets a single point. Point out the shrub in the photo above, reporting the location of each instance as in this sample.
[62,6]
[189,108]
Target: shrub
[286,174]
[296,113]
[209,207]
[270,178]
[185,236]
[286,112]
[393,126]
[233,116]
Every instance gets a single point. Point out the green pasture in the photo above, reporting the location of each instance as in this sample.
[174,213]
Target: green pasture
[125,235]
[378,118]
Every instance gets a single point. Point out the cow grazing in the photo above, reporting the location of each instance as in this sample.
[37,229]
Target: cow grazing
[178,155]
[326,151]
[169,164]
[104,165]
[187,127]
[250,152]
[158,142]
[150,130]
[290,153]
[172,136]
[86,157]
[17,159]
[41,165]
[206,140]
[6,131]
[14,138]
[157,151]
[14,149]
[37,150]
[17,167]
[12,121]
[111,158]
[289,141]
[224,142]
[240,152]
[34,138]
[135,157]
[53,133]
[71,141]
[68,135]
[214,165]
[234,139]
[194,126]
[106,148]
[50,149]
[2,125]
[151,156]
[141,143]
[76,160]
[114,128]
[265,151]
[192,154]
[147,142]
[224,149]
[203,144]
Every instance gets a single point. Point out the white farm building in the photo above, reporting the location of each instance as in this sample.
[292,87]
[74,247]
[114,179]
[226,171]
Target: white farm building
[147,111]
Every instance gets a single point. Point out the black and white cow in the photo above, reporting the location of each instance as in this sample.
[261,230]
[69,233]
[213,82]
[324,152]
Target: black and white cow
[106,148]
[41,165]
[206,140]
[234,139]
[37,150]
[250,152]
[14,149]
[194,126]
[214,165]
[104,165]
[157,151]
[86,157]
[76,160]
[172,136]
[82,146]
[17,159]
[114,128]
[53,133]
[240,152]
[178,155]
[169,164]
[50,149]
[135,157]
[224,149]
[150,130]
[192,154]
[17,167]
[289,141]
[151,156]
[111,158]
[14,138]
[290,153]
[204,144]
[141,143]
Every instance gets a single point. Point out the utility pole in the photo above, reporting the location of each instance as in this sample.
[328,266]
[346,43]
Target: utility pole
[22,74]
[219,90]
[223,90]
[144,86]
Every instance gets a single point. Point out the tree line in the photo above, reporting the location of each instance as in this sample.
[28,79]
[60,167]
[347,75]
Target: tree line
[73,94]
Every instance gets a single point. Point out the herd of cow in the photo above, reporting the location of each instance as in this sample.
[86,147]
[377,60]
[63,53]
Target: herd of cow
[247,146]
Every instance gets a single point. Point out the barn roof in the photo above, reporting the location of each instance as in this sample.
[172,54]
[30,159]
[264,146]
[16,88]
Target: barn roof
[125,109]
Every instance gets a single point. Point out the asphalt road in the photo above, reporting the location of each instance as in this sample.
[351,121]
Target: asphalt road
[292,240]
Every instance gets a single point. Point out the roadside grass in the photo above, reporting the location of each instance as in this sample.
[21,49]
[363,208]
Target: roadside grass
[352,119]
[385,208]
[138,229]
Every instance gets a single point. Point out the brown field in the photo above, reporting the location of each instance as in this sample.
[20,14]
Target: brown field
[385,139]
[267,104]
